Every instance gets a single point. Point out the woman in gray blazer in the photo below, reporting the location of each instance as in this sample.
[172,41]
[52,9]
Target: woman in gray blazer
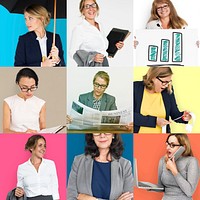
[101,173]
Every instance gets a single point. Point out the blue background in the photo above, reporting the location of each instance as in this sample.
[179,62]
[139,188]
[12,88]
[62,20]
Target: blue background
[12,26]
[76,145]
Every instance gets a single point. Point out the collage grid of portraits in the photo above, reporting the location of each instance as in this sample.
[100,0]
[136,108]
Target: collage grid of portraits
[60,86]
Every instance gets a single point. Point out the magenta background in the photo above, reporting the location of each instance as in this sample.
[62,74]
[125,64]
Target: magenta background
[12,154]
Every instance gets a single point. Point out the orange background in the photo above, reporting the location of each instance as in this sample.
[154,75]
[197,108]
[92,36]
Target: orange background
[148,149]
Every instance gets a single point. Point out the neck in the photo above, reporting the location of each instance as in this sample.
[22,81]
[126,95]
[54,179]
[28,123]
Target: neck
[35,161]
[21,96]
[104,156]
[40,33]
[165,22]
[91,21]
[150,91]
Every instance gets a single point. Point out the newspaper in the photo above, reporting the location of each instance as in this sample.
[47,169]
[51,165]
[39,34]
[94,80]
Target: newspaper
[86,118]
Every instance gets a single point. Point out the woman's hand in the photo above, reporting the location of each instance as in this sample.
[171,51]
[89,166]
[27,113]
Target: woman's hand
[54,54]
[48,62]
[19,192]
[30,131]
[99,58]
[85,197]
[119,45]
[171,165]
[162,122]
[126,196]
[135,43]
[186,116]
[69,119]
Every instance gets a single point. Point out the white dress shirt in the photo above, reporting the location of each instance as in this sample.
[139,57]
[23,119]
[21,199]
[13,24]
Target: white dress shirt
[87,37]
[44,182]
[25,114]
[43,45]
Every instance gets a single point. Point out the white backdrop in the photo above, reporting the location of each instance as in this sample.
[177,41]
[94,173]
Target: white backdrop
[113,14]
[81,81]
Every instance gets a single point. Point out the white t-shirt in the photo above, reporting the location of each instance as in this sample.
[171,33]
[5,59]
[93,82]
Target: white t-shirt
[24,113]
[44,182]
[87,37]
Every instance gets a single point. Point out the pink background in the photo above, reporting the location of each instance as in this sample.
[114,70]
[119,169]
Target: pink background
[12,154]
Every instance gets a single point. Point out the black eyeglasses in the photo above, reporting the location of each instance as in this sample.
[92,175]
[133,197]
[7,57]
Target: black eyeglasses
[162,8]
[98,134]
[164,83]
[87,6]
[99,85]
[172,145]
[26,89]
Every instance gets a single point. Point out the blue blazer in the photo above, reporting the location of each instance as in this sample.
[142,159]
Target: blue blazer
[150,121]
[28,51]
[80,178]
[107,101]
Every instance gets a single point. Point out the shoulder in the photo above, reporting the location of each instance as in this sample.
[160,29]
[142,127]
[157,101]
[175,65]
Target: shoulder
[190,159]
[10,98]
[23,165]
[48,162]
[50,34]
[124,162]
[138,84]
[154,24]
[85,95]
[109,96]
[28,35]
[38,100]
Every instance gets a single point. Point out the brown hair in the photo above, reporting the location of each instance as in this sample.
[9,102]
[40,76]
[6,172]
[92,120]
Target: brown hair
[81,6]
[102,75]
[39,12]
[184,141]
[32,142]
[154,72]
[176,22]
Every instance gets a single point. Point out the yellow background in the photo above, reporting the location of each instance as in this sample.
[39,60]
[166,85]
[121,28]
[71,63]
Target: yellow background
[186,84]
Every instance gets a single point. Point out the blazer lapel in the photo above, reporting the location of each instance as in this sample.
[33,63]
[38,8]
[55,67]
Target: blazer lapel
[36,46]
[49,42]
[89,169]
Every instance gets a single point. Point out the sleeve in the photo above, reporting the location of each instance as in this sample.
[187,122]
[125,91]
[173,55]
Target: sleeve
[189,184]
[76,41]
[72,182]
[54,182]
[174,111]
[146,121]
[128,178]
[20,59]
[113,104]
[60,48]
[20,177]
[160,169]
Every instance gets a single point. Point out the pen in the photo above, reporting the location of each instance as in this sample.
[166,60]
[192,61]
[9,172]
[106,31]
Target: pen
[178,118]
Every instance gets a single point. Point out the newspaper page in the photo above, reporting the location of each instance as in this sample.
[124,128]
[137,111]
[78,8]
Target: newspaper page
[86,118]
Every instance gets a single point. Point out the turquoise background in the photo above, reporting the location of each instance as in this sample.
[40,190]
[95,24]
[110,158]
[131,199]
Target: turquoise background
[12,26]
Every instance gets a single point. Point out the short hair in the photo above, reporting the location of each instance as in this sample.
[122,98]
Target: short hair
[27,72]
[183,141]
[32,141]
[39,12]
[103,75]
[81,6]
[154,72]
[176,22]
[116,147]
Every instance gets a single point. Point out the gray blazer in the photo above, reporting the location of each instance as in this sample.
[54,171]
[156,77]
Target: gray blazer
[80,178]
[107,101]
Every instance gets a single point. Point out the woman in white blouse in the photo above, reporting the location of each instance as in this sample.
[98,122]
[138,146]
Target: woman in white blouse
[24,112]
[88,36]
[37,177]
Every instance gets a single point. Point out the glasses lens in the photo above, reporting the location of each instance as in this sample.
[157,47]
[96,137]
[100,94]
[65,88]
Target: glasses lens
[25,89]
[101,86]
[87,6]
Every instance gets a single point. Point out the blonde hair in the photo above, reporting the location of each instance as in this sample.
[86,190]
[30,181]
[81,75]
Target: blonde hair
[154,72]
[176,22]
[39,12]
[81,6]
[103,75]
[183,141]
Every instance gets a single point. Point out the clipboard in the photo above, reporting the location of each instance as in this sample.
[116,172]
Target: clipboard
[113,37]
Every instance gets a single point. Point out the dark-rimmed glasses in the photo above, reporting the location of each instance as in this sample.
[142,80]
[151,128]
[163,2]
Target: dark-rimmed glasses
[87,6]
[98,134]
[164,83]
[97,85]
[162,7]
[26,89]
[172,145]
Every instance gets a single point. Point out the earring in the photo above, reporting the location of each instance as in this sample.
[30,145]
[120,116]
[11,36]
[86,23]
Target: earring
[113,137]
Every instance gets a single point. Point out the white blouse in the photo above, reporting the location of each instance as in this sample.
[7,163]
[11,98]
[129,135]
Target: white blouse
[87,37]
[24,113]
[44,182]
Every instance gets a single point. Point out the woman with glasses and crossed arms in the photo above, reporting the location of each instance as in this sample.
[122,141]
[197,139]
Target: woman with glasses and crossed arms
[101,173]
[154,102]
[88,41]
[24,112]
[164,16]
[178,178]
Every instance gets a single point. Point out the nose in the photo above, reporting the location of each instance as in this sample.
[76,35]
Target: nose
[102,135]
